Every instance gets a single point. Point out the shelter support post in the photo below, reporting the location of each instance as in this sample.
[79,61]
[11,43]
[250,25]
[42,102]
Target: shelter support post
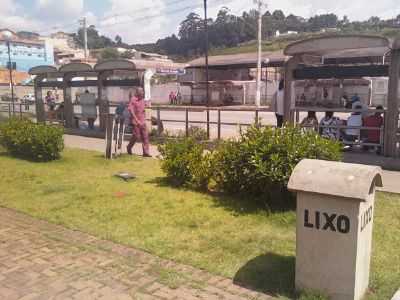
[68,107]
[392,115]
[40,112]
[290,66]
[102,100]
[266,86]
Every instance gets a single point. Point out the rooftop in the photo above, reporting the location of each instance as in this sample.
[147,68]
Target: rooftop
[276,58]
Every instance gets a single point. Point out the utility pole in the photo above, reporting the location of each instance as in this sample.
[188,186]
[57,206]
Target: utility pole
[10,68]
[85,39]
[8,36]
[207,74]
[260,4]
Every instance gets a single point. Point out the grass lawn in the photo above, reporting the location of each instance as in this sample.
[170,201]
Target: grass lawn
[212,232]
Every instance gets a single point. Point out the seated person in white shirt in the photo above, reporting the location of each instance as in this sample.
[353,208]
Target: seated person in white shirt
[355,120]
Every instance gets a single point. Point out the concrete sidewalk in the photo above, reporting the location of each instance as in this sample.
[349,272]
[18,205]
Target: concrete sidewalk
[391,179]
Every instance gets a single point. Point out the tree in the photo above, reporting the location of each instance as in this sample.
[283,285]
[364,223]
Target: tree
[127,54]
[190,27]
[118,40]
[278,15]
[95,41]
[109,53]
[319,22]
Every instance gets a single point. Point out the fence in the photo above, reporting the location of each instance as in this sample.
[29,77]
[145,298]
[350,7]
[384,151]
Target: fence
[21,109]
[16,108]
[207,110]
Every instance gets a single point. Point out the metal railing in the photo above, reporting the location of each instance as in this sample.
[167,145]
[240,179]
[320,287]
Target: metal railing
[219,123]
[20,109]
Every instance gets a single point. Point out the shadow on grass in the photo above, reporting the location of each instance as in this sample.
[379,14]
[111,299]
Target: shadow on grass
[240,204]
[270,273]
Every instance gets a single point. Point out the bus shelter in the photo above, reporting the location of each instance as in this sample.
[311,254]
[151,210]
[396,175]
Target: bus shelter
[102,76]
[341,58]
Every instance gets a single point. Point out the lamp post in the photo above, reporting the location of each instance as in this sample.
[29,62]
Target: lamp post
[207,69]
[7,35]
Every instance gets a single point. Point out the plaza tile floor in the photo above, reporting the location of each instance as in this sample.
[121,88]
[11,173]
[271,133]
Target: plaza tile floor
[39,260]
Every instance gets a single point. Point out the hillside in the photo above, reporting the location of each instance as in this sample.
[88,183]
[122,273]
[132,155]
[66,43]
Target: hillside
[280,43]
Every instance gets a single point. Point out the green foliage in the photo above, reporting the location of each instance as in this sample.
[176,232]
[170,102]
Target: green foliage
[312,295]
[197,133]
[38,142]
[109,53]
[186,163]
[259,164]
[262,160]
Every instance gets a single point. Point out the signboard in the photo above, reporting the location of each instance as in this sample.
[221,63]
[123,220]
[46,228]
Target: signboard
[166,71]
[13,65]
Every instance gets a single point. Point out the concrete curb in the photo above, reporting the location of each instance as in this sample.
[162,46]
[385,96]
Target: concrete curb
[396,296]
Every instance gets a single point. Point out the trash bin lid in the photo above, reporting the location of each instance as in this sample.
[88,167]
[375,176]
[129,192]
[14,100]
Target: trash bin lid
[339,179]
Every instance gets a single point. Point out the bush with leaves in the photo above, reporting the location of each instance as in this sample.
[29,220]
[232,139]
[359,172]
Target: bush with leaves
[258,164]
[261,162]
[38,142]
[186,162]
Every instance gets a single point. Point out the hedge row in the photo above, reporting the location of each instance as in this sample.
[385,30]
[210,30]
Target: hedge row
[25,139]
[258,164]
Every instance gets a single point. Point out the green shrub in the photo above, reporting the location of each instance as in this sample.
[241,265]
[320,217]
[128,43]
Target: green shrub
[185,162]
[312,295]
[258,164]
[261,162]
[39,142]
[197,133]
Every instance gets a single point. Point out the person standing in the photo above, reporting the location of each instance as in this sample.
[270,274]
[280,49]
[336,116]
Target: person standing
[51,104]
[179,98]
[172,98]
[136,108]
[279,103]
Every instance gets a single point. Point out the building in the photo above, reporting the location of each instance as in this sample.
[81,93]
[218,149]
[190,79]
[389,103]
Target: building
[26,53]
[232,79]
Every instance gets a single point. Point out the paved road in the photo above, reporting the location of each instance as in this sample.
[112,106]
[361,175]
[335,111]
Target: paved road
[40,261]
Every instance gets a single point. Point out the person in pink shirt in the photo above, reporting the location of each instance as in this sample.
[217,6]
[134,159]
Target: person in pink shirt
[136,108]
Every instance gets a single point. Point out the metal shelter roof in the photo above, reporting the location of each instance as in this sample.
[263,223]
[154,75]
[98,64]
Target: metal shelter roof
[329,45]
[248,60]
[108,65]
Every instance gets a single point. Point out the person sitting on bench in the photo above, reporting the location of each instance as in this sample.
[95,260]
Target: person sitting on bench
[89,108]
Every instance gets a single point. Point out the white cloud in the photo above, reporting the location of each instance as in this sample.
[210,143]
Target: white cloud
[138,21]
[60,10]
[12,16]
[132,19]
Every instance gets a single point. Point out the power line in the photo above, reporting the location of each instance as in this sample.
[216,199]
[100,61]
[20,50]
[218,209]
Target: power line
[125,12]
[149,17]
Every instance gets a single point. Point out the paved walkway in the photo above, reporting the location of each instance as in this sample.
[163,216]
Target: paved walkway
[391,179]
[39,260]
[95,144]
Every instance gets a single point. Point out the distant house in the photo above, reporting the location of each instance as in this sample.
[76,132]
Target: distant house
[26,53]
[278,33]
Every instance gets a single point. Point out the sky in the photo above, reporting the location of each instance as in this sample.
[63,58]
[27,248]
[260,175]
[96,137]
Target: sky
[142,21]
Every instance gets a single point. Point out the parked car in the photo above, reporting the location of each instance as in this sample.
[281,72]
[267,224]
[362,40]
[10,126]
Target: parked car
[28,99]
